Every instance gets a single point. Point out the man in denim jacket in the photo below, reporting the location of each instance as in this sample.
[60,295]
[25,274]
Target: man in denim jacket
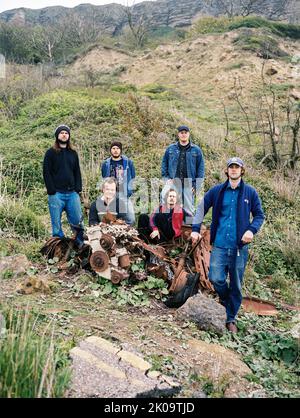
[231,231]
[121,168]
[183,166]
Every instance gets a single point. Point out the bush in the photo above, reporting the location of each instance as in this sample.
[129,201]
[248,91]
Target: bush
[265,45]
[210,25]
[278,28]
[124,88]
[224,24]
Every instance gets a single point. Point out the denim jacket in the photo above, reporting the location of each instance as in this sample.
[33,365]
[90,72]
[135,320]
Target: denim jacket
[129,172]
[194,163]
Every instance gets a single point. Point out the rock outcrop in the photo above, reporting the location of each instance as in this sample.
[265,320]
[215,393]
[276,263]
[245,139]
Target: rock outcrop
[111,18]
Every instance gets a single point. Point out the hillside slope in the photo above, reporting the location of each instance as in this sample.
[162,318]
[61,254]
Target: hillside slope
[140,98]
[205,67]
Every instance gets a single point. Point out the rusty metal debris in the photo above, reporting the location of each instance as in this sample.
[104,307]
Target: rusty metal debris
[259,306]
[112,247]
[118,276]
[99,261]
[201,259]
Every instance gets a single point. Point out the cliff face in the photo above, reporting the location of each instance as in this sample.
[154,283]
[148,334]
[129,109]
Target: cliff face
[111,18]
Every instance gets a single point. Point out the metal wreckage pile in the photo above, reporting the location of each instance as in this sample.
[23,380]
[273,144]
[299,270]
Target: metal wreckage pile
[112,247]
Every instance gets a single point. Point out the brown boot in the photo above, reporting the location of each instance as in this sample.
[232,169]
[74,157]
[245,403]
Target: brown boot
[231,327]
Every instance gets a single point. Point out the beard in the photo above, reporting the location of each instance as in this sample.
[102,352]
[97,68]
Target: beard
[63,142]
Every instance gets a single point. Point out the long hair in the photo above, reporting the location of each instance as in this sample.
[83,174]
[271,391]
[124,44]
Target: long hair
[57,148]
[172,189]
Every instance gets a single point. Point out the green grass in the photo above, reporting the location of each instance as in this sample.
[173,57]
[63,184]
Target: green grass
[31,365]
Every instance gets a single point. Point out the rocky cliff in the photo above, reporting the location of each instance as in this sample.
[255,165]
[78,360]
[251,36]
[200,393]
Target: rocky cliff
[111,18]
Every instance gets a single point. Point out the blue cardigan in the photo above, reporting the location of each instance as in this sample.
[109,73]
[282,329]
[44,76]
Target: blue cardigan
[129,172]
[248,203]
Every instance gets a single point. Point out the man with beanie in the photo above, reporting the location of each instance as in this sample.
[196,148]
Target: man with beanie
[121,168]
[183,167]
[62,176]
[233,204]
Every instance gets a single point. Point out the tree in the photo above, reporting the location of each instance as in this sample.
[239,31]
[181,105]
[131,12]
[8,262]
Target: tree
[276,9]
[140,24]
[82,30]
[276,121]
[45,40]
[15,43]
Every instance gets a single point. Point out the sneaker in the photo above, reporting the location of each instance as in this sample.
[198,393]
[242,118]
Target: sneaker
[231,327]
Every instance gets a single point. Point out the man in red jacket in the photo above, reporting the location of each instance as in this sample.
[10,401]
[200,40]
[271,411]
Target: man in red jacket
[165,222]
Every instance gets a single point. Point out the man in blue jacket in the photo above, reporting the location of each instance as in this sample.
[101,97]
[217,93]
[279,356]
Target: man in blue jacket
[121,168]
[231,231]
[183,166]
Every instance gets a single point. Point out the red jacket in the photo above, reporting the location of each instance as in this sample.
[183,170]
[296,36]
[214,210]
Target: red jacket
[177,218]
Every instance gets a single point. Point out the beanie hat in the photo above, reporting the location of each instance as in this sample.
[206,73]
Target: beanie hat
[116,144]
[62,128]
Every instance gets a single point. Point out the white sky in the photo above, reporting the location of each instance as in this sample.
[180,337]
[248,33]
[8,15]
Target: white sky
[39,4]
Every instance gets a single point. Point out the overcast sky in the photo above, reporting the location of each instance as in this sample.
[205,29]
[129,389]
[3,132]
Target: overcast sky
[39,4]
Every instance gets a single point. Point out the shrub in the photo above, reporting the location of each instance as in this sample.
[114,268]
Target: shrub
[124,88]
[210,25]
[278,28]
[224,24]
[265,45]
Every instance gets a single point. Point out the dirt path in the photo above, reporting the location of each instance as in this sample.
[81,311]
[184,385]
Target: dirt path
[171,345]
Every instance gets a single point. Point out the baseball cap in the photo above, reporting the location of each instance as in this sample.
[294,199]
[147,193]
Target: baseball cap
[183,128]
[235,160]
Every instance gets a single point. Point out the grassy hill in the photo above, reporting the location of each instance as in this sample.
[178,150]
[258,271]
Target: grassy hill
[226,92]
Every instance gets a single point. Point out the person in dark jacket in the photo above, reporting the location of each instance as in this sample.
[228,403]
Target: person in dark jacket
[121,168]
[231,231]
[165,222]
[111,203]
[62,177]
[183,166]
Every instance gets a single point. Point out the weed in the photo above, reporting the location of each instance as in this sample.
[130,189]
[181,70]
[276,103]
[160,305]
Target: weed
[7,274]
[31,366]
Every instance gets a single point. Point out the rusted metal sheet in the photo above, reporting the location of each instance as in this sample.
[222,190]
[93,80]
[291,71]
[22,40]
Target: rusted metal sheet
[202,259]
[178,282]
[158,270]
[259,306]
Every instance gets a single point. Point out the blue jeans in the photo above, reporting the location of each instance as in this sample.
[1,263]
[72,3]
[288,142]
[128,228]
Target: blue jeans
[70,203]
[126,209]
[224,261]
